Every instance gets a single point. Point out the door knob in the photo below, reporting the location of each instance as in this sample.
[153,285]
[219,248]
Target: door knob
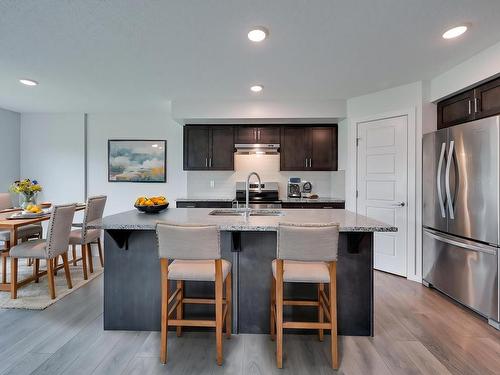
[400,204]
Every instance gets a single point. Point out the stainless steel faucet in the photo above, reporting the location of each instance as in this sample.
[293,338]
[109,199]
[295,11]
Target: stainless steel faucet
[247,188]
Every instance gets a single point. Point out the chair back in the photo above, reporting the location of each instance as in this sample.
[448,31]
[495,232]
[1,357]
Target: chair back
[59,229]
[93,211]
[188,242]
[5,201]
[308,242]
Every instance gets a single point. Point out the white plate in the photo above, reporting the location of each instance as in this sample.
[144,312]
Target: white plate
[30,215]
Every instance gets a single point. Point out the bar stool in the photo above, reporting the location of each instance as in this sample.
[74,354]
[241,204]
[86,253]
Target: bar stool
[196,256]
[56,244]
[85,237]
[307,253]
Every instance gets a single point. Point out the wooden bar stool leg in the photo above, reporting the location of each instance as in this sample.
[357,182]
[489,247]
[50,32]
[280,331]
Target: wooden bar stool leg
[179,310]
[333,314]
[272,321]
[101,256]
[218,309]
[13,278]
[229,296]
[50,277]
[4,262]
[84,262]
[73,250]
[164,310]
[279,313]
[89,258]
[36,268]
[66,270]
[321,314]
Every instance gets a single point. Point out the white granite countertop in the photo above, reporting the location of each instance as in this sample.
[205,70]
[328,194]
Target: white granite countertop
[135,220]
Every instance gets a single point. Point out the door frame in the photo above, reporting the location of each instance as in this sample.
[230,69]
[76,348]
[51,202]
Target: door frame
[414,182]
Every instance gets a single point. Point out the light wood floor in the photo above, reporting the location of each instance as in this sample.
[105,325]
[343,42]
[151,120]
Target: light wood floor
[418,331]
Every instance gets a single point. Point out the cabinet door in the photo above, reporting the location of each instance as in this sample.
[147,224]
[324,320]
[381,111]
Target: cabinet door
[294,148]
[456,110]
[487,98]
[246,134]
[268,134]
[323,153]
[221,148]
[196,147]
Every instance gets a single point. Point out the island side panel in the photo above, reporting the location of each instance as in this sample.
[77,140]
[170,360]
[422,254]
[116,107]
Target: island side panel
[354,285]
[132,289]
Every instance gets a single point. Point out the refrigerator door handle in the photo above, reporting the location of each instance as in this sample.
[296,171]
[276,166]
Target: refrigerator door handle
[447,180]
[440,237]
[438,180]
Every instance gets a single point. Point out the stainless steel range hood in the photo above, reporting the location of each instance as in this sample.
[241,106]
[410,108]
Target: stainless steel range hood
[257,148]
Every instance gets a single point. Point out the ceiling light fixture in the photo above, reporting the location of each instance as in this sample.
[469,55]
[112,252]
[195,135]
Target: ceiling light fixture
[257,88]
[258,34]
[28,82]
[455,32]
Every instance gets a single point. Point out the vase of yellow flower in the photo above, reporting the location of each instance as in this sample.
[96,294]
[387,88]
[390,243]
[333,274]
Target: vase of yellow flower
[28,191]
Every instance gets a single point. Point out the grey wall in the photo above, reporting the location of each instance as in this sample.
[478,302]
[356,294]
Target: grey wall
[10,127]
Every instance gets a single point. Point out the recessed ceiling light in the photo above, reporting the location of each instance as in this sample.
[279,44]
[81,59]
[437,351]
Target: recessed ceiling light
[257,88]
[258,34]
[28,82]
[455,32]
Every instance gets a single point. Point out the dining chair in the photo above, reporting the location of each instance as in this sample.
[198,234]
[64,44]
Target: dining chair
[55,245]
[306,253]
[85,237]
[24,233]
[196,256]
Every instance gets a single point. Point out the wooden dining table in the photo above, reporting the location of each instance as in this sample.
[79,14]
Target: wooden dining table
[12,225]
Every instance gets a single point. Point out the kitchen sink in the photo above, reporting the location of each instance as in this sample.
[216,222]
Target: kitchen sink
[242,212]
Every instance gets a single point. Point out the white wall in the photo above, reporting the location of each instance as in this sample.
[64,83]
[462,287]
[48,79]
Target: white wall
[480,67]
[159,125]
[53,153]
[9,144]
[258,111]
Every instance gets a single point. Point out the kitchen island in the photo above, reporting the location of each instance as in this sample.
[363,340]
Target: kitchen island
[132,293]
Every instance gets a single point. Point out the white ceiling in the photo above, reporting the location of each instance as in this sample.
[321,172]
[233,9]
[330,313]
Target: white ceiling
[107,55]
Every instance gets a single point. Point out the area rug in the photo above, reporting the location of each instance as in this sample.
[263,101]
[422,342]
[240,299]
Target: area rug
[35,296]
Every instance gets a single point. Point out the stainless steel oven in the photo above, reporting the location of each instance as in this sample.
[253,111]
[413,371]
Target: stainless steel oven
[267,197]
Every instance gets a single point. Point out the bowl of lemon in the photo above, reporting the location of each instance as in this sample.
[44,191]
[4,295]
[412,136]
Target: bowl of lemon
[33,210]
[151,205]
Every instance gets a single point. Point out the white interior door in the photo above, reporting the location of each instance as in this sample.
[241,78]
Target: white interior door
[382,155]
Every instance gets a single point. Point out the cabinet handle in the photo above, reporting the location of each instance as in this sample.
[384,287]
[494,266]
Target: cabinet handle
[475,105]
[210,162]
[310,162]
[255,134]
[258,135]
[470,109]
[306,162]
[206,162]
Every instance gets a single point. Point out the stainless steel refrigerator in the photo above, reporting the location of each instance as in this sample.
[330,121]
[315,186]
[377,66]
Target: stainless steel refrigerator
[461,214]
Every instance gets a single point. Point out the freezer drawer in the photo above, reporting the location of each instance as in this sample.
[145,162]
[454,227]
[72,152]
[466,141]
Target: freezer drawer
[465,270]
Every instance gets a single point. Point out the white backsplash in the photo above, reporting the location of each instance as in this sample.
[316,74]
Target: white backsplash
[325,184]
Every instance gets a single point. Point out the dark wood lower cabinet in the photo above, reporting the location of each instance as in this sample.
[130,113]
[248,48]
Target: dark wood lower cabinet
[204,204]
[318,205]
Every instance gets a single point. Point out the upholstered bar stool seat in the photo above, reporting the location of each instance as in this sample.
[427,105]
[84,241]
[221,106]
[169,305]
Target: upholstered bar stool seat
[295,271]
[196,270]
[23,232]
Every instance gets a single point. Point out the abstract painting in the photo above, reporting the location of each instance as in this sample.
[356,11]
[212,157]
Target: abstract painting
[137,160]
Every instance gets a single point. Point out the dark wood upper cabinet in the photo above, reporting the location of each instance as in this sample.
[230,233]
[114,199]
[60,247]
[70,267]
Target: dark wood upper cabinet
[252,134]
[308,148]
[456,110]
[208,148]
[487,98]
[221,148]
[196,147]
[323,154]
[482,101]
[294,148]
